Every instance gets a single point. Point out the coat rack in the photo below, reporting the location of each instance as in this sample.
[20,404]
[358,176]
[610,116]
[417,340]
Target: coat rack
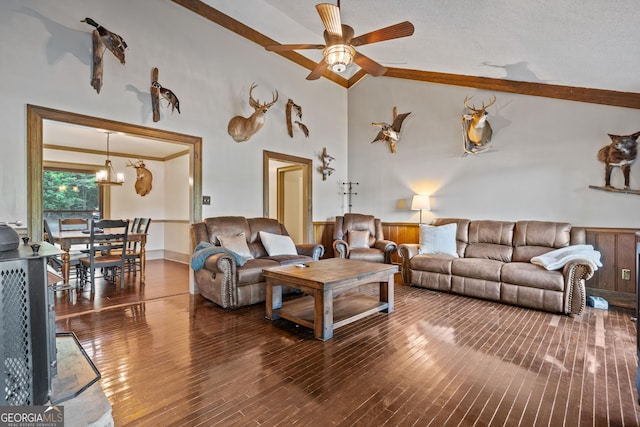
[350,192]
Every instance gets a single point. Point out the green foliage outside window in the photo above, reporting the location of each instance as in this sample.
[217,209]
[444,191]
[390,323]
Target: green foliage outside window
[74,191]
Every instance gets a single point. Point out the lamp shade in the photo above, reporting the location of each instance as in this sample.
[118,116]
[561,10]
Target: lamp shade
[420,202]
[339,56]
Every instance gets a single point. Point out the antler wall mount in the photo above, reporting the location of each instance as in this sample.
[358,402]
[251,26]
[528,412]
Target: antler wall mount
[242,128]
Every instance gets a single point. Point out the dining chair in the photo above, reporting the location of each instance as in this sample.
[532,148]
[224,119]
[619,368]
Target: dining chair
[73,224]
[107,239]
[56,263]
[133,254]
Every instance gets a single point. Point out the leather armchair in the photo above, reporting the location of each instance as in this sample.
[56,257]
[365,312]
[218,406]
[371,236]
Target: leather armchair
[360,237]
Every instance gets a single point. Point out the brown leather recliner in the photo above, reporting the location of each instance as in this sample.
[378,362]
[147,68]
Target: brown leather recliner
[230,285]
[360,237]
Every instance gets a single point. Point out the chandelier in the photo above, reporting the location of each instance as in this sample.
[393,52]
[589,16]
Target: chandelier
[108,176]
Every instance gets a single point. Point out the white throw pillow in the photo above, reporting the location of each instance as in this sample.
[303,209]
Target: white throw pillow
[277,244]
[438,239]
[358,239]
[237,244]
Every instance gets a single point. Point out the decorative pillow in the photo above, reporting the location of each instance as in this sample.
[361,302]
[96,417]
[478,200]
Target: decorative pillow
[438,240]
[237,244]
[358,239]
[277,244]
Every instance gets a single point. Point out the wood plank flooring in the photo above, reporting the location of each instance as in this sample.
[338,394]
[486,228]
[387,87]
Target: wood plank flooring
[171,358]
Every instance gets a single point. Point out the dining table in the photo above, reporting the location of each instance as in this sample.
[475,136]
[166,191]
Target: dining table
[68,238]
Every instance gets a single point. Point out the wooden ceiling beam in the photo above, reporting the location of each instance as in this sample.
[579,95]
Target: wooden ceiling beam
[569,93]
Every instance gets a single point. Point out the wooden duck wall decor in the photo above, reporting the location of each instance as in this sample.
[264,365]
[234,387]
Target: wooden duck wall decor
[103,39]
[325,169]
[390,132]
[298,109]
[158,91]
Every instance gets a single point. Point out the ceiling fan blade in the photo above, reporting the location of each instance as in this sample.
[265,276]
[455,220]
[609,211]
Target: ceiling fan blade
[317,71]
[403,29]
[330,16]
[369,65]
[286,47]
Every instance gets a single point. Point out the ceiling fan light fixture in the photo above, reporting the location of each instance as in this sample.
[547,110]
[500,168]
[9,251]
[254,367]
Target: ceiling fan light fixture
[338,57]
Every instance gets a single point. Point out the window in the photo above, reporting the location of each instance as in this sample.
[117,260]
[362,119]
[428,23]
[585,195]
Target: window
[70,194]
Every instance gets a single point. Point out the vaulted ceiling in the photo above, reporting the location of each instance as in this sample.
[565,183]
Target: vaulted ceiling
[572,49]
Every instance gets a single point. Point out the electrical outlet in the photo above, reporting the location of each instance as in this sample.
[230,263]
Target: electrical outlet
[206,200]
[626,274]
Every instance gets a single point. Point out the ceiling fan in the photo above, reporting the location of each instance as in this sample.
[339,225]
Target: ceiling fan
[339,49]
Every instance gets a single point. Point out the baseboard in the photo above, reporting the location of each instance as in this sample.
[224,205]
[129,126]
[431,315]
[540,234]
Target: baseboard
[177,257]
[168,255]
[618,299]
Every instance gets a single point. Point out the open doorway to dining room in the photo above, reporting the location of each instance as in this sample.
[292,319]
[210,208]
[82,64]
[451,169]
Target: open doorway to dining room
[184,170]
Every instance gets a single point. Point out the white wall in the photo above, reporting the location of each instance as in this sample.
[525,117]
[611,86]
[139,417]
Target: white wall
[46,56]
[177,237]
[125,202]
[543,158]
[545,150]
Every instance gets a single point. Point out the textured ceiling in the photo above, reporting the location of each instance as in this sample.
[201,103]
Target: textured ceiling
[581,43]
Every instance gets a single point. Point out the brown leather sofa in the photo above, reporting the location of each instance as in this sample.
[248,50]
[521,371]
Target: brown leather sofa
[370,245]
[222,280]
[494,263]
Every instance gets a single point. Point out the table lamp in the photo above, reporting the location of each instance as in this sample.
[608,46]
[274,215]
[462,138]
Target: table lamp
[420,202]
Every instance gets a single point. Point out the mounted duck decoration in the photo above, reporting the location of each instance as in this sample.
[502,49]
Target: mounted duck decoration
[158,91]
[242,128]
[620,153]
[144,177]
[325,169]
[476,129]
[104,39]
[298,109]
[390,132]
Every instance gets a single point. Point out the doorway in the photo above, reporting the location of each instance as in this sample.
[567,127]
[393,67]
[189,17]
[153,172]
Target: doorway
[287,193]
[291,187]
[35,146]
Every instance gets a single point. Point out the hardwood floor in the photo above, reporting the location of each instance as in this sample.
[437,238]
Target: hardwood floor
[171,358]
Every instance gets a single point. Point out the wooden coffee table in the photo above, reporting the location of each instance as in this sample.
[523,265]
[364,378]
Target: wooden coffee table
[322,281]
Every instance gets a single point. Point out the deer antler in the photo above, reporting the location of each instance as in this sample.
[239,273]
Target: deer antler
[255,103]
[275,98]
[135,165]
[490,103]
[466,100]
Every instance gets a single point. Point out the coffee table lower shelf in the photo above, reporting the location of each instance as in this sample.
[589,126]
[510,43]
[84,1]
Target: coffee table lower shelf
[347,308]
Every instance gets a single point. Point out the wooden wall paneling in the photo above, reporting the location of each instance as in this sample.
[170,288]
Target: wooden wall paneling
[323,232]
[626,259]
[617,249]
[604,278]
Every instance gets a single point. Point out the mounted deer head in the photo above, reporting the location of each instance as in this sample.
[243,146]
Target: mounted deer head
[242,128]
[479,130]
[144,177]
